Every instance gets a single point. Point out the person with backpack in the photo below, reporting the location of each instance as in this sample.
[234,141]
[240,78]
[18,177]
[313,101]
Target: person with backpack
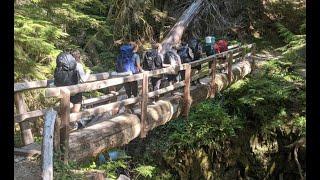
[219,47]
[171,58]
[69,71]
[186,56]
[196,48]
[154,60]
[129,61]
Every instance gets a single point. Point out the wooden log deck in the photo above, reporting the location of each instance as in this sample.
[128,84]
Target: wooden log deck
[119,129]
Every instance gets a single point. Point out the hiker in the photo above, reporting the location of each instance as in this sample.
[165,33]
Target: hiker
[69,71]
[154,60]
[219,47]
[129,61]
[171,58]
[196,48]
[186,56]
[208,48]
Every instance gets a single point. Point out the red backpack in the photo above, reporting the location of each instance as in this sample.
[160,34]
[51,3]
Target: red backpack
[220,46]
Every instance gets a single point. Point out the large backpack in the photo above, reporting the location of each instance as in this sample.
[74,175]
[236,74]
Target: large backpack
[196,47]
[65,73]
[125,61]
[169,57]
[152,60]
[221,46]
[185,54]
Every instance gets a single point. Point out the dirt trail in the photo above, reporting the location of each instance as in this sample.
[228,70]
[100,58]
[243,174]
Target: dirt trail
[27,168]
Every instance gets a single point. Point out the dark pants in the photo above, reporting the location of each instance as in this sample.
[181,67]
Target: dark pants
[182,74]
[156,82]
[196,68]
[131,88]
[173,77]
[76,99]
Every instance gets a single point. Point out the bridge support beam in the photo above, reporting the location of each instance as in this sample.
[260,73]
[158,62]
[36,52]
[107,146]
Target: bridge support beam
[123,128]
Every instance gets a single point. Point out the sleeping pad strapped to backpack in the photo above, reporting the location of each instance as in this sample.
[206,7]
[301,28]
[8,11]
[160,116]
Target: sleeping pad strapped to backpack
[152,60]
[65,73]
[125,61]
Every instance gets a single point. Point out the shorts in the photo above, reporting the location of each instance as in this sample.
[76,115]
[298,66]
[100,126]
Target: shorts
[76,99]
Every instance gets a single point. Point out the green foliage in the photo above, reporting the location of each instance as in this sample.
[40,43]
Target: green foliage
[42,30]
[209,123]
[290,13]
[110,167]
[65,171]
[34,46]
[145,170]
[275,97]
[285,33]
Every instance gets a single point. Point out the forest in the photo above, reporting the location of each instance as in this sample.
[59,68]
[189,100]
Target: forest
[254,129]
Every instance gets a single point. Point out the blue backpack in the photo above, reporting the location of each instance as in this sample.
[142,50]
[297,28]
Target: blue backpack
[125,61]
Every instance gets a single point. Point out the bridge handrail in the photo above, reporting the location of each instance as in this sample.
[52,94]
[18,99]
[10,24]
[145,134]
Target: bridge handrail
[23,86]
[89,86]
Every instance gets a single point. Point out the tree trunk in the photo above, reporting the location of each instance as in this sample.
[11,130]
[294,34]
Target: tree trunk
[175,34]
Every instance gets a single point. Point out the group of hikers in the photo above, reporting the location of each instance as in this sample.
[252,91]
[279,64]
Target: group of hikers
[69,70]
[129,61]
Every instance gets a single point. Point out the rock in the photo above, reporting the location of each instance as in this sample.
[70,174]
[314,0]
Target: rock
[123,177]
[19,158]
[95,176]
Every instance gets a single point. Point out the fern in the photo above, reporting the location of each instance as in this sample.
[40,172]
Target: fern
[145,171]
[285,33]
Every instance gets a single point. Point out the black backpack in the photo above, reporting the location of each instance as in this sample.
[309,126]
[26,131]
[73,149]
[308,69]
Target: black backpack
[65,73]
[185,54]
[152,60]
[170,56]
[196,47]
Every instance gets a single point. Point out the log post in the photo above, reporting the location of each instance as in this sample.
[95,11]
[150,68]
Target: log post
[187,97]
[65,120]
[243,53]
[253,56]
[213,77]
[56,135]
[229,59]
[47,144]
[144,104]
[114,99]
[25,128]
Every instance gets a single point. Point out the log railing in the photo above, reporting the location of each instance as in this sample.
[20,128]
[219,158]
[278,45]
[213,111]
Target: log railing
[22,113]
[61,134]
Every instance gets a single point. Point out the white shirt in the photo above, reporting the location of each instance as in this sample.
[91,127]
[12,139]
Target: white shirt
[82,75]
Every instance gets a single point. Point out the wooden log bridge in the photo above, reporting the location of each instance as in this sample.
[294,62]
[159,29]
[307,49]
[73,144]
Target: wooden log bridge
[120,129]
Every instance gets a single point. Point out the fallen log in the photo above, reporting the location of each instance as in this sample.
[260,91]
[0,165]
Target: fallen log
[175,34]
[123,128]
